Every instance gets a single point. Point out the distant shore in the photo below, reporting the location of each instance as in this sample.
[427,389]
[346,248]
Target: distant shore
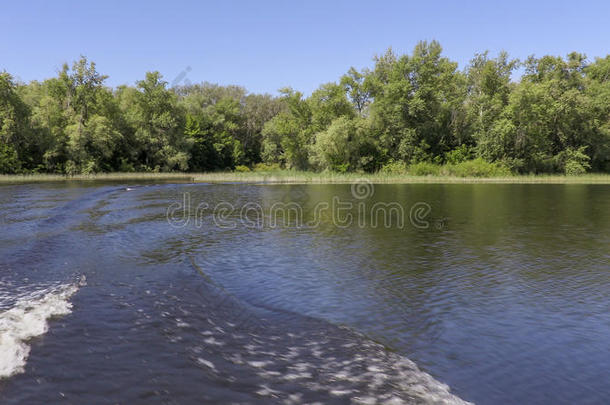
[299,177]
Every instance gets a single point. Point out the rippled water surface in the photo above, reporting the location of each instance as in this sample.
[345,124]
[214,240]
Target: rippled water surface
[500,292]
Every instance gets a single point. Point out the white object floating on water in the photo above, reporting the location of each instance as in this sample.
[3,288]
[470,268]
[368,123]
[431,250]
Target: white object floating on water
[26,319]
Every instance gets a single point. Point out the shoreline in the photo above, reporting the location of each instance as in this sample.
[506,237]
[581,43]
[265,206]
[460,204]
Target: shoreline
[296,177]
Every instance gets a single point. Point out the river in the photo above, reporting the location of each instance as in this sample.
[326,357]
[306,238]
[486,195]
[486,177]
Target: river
[255,293]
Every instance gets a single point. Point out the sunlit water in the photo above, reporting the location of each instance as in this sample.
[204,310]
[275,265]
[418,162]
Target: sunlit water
[501,292]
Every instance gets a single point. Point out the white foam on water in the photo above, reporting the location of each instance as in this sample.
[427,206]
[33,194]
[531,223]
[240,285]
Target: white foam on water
[27,318]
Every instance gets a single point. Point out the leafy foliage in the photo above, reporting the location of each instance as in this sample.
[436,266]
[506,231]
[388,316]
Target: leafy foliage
[414,113]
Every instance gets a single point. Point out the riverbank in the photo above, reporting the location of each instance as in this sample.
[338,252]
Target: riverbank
[40,178]
[311,177]
[298,177]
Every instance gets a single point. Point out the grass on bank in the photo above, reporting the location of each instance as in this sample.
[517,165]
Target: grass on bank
[294,177]
[42,177]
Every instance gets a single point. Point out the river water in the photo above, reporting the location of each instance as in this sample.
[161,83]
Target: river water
[234,293]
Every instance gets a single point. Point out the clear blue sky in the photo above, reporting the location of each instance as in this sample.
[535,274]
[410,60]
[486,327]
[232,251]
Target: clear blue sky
[267,45]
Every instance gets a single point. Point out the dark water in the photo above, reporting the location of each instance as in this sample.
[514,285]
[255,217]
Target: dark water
[502,292]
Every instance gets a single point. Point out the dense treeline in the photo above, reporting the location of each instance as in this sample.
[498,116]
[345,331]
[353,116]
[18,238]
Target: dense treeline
[414,111]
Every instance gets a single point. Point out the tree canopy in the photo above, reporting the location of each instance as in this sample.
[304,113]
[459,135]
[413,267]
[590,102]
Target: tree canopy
[410,109]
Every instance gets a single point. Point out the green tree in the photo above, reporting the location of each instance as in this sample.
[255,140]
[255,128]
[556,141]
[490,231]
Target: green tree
[418,103]
[598,92]
[488,91]
[217,125]
[14,126]
[158,125]
[287,136]
[548,113]
[344,146]
[258,109]
[357,88]
[92,137]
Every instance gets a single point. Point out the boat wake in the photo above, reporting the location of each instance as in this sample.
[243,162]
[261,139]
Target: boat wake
[24,316]
[282,357]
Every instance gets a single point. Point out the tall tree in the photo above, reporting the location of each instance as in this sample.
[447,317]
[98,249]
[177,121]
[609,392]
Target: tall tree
[158,127]
[417,101]
[488,91]
[14,125]
[287,136]
[358,90]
